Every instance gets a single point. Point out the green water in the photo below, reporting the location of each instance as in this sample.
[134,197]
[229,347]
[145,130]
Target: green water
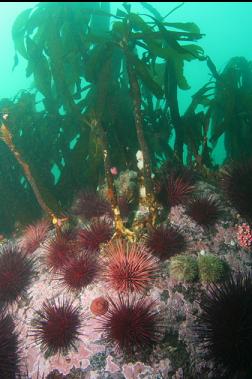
[225,29]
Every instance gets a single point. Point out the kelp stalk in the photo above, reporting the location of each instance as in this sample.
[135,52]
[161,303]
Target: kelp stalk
[6,136]
[171,86]
[147,182]
[120,229]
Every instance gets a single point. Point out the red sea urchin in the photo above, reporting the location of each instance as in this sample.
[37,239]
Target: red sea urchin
[174,185]
[92,235]
[90,204]
[79,272]
[34,235]
[129,266]
[205,211]
[131,324]
[61,249]
[16,273]
[56,327]
[9,351]
[174,190]
[164,242]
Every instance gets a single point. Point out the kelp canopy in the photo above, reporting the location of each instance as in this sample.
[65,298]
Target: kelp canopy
[108,82]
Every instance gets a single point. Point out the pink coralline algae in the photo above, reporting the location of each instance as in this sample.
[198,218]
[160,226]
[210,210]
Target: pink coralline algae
[244,236]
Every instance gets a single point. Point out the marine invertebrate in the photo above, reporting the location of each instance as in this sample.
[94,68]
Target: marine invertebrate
[90,204]
[129,266]
[224,327]
[174,185]
[184,268]
[16,273]
[79,272]
[34,235]
[236,182]
[9,350]
[56,326]
[164,242]
[244,236]
[92,235]
[174,190]
[99,306]
[60,250]
[212,268]
[131,324]
[205,211]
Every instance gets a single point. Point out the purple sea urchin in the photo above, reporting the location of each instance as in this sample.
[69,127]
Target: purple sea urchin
[9,351]
[237,185]
[131,324]
[164,242]
[16,273]
[205,211]
[56,326]
[224,327]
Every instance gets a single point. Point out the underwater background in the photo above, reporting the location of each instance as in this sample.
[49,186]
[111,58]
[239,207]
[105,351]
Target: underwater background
[126,190]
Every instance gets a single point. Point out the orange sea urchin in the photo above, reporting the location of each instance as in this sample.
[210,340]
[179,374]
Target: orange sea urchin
[99,306]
